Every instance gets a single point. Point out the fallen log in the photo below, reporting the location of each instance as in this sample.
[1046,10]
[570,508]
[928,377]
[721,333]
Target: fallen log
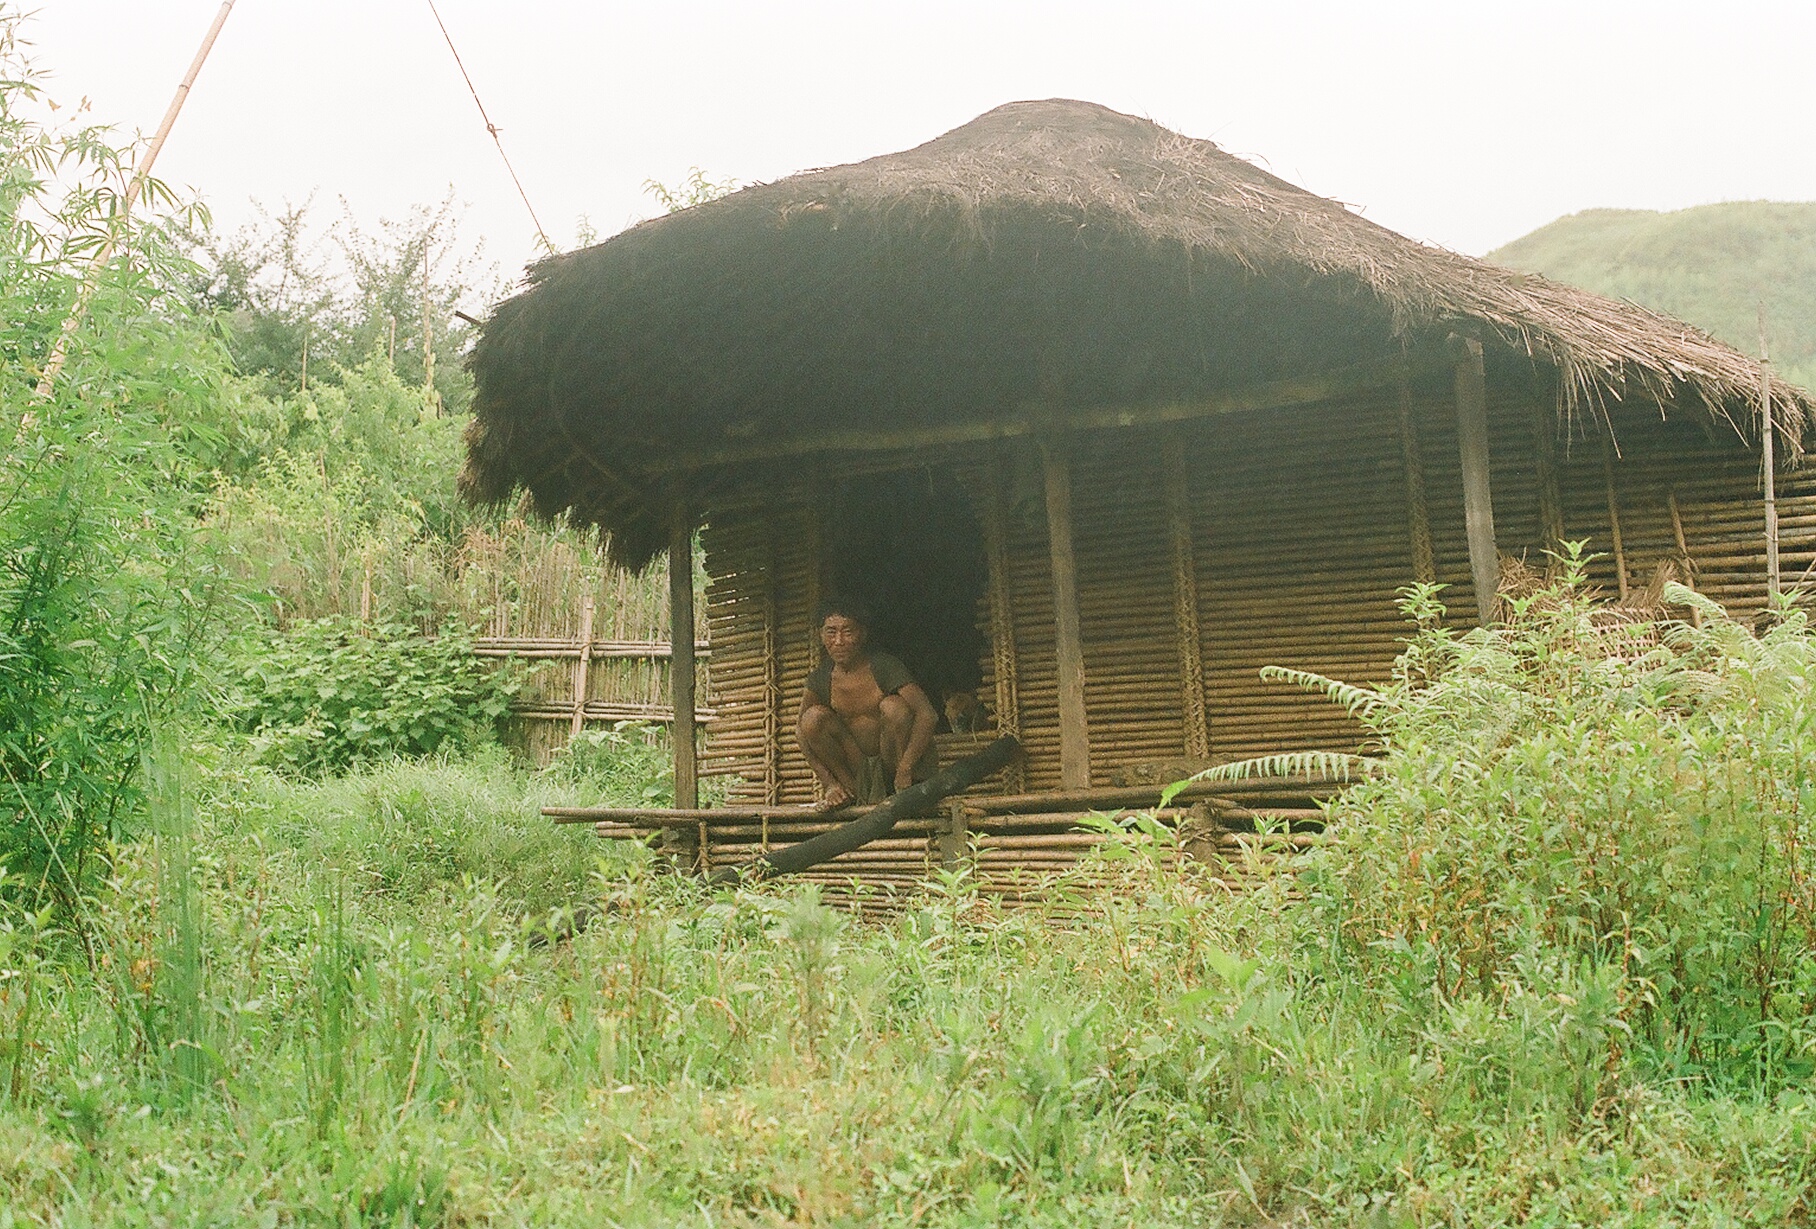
[917,800]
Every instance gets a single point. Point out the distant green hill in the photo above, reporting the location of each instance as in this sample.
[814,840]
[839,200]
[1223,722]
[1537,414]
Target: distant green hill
[1711,266]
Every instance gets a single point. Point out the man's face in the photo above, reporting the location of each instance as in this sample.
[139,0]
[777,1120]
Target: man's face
[843,638]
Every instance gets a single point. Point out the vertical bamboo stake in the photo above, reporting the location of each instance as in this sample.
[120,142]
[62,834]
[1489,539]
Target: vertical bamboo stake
[1683,550]
[681,655]
[1551,500]
[365,591]
[583,666]
[59,353]
[1004,664]
[391,345]
[1074,731]
[772,676]
[1768,446]
[1418,514]
[1478,502]
[1193,718]
[305,380]
[1614,518]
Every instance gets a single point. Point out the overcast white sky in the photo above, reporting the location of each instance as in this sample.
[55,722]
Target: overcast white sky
[1465,124]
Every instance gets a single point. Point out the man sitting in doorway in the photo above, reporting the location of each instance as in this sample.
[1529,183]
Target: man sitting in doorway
[866,726]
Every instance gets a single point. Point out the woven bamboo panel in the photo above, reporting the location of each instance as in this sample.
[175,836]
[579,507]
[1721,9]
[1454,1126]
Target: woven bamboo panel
[1125,600]
[1301,542]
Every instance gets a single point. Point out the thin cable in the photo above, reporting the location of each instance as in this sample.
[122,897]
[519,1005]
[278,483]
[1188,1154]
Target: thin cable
[493,129]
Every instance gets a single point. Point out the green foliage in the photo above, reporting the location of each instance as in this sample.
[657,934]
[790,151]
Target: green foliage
[315,1002]
[330,693]
[1629,810]
[1712,266]
[105,603]
[302,304]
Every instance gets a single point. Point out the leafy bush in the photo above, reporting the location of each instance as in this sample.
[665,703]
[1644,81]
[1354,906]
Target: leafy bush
[1568,799]
[333,692]
[105,600]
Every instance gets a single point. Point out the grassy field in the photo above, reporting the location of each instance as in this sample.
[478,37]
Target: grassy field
[321,1009]
[1554,969]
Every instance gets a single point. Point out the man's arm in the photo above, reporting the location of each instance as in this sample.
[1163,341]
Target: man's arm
[920,737]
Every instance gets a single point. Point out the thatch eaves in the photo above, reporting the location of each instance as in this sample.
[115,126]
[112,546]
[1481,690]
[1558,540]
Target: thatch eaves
[1054,253]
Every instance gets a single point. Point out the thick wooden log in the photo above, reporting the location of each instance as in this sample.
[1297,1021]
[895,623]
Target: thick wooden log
[1074,732]
[681,662]
[918,799]
[1478,501]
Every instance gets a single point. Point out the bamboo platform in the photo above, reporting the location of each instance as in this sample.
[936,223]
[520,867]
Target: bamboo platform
[1013,844]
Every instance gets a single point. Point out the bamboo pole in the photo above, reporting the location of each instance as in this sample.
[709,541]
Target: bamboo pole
[1193,718]
[1074,732]
[1478,502]
[1005,666]
[59,353]
[681,659]
[1418,515]
[1683,549]
[1551,500]
[583,668]
[1768,447]
[1614,517]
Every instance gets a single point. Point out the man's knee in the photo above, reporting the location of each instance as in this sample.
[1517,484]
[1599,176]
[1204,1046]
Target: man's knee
[817,722]
[897,713]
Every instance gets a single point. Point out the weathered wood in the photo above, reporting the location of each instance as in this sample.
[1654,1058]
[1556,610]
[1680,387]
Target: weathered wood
[535,648]
[1614,517]
[1005,665]
[913,801]
[681,663]
[1768,461]
[1478,502]
[1418,514]
[583,667]
[1683,550]
[1196,723]
[1544,462]
[1074,731]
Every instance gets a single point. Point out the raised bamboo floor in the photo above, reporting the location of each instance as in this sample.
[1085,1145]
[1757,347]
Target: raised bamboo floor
[1012,844]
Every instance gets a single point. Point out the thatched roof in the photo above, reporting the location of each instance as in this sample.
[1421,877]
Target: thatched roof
[1053,253]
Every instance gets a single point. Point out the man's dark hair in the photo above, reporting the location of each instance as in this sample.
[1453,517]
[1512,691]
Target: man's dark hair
[841,604]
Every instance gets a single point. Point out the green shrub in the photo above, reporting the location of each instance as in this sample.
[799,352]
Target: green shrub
[333,692]
[1569,799]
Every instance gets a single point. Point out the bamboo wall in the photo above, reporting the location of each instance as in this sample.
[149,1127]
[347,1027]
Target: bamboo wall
[1209,550]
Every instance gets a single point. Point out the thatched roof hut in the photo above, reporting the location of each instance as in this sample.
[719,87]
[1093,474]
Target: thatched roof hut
[1057,304]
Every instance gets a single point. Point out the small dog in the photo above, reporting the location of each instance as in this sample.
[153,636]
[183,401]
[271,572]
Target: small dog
[964,713]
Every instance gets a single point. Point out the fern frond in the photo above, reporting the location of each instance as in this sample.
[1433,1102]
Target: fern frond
[1317,765]
[1356,700]
[1683,595]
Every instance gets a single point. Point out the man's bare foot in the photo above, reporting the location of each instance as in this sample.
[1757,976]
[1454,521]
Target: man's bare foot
[836,797]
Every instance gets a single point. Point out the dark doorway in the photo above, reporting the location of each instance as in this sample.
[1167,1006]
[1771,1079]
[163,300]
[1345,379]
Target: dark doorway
[908,545]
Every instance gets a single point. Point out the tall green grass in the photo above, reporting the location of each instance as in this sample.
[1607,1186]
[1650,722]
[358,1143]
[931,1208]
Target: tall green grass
[317,1002]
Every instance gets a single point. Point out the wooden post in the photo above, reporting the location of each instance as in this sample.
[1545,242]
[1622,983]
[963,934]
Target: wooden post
[1551,500]
[1478,502]
[1005,666]
[681,655]
[1683,549]
[1193,718]
[1418,515]
[1768,461]
[1614,518]
[583,666]
[1068,640]
[953,837]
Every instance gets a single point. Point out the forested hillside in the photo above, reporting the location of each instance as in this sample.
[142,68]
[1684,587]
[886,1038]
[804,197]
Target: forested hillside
[1712,266]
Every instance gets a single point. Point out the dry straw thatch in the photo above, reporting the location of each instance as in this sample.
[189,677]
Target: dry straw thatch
[1048,254]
